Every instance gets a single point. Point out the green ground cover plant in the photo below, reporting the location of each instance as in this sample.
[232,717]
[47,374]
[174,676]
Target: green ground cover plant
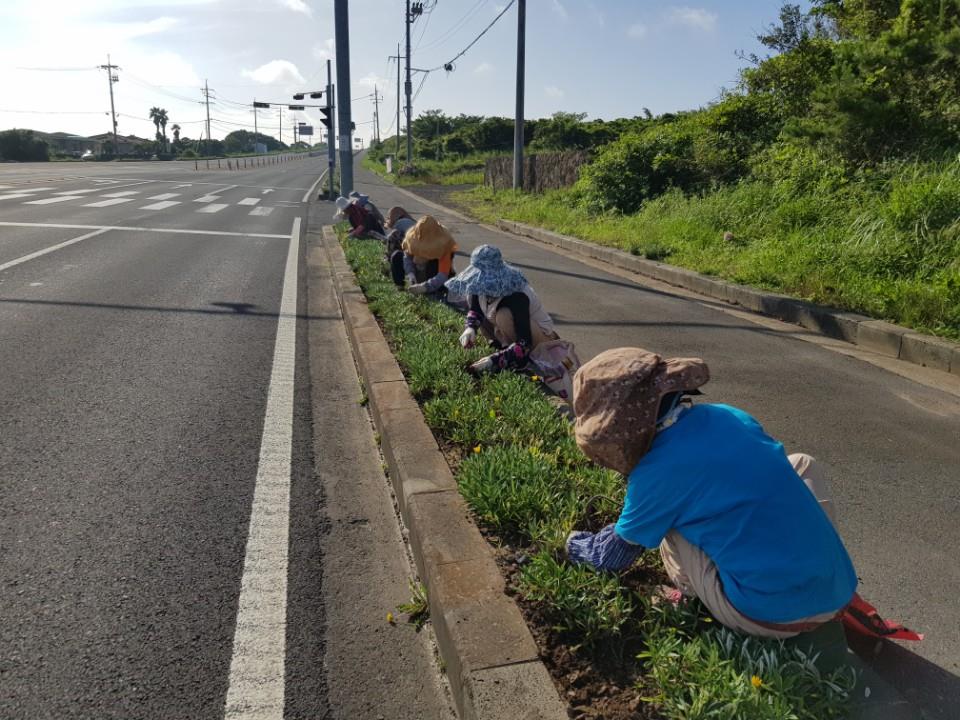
[529,485]
[457,170]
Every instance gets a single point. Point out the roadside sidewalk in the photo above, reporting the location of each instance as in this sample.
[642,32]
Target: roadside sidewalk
[374,670]
[890,440]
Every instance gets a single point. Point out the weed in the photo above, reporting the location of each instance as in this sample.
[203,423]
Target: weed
[418,609]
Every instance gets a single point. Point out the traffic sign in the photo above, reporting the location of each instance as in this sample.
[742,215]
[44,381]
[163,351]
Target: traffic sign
[305,130]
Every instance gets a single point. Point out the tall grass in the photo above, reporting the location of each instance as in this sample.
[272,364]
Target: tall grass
[464,170]
[885,242]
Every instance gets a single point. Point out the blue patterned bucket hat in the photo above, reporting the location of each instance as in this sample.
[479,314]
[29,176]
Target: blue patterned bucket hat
[487,274]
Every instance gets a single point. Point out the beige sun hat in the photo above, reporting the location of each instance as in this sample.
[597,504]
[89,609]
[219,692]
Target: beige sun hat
[616,397]
[428,240]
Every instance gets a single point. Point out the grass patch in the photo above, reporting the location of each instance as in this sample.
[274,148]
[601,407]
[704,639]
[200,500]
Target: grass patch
[466,170]
[528,485]
[886,243]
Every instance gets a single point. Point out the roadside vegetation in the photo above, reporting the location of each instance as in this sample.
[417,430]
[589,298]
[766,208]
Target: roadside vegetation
[831,172]
[528,485]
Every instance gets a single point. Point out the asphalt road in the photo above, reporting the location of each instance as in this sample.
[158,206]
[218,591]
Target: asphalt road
[159,473]
[889,432]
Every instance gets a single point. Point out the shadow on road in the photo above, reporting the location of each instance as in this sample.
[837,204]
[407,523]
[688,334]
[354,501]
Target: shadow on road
[226,309]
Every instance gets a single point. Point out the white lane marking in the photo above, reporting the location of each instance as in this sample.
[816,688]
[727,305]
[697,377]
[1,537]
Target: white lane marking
[164,196]
[261,211]
[78,192]
[108,203]
[213,208]
[182,185]
[125,228]
[35,284]
[314,186]
[207,198]
[30,188]
[228,187]
[162,205]
[249,201]
[122,193]
[50,249]
[256,687]
[58,198]
[5,187]
[265,191]
[14,196]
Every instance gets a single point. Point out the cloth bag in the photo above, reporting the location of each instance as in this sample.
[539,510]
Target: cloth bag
[556,362]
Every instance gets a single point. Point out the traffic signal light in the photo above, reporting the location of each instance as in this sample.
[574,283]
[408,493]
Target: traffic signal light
[326,120]
[316,95]
[298,96]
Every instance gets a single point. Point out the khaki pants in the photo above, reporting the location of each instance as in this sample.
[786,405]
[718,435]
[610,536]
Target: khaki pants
[694,573]
[503,330]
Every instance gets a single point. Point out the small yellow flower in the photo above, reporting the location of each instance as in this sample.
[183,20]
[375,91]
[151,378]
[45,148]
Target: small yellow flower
[477,449]
[756,682]
[493,413]
[535,378]
[497,399]
[390,618]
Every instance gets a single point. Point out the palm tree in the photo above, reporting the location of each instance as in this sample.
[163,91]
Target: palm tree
[175,129]
[163,127]
[155,114]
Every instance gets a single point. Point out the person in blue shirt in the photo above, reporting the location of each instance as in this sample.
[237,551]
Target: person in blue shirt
[739,523]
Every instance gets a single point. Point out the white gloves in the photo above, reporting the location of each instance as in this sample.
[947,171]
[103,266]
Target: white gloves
[419,289]
[411,280]
[469,338]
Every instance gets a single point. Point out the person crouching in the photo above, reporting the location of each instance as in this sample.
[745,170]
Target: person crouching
[425,260]
[739,523]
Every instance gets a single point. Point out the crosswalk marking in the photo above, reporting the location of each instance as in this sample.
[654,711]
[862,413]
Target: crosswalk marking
[262,211]
[212,208]
[30,188]
[78,192]
[162,205]
[249,201]
[55,199]
[164,196]
[108,203]
[5,187]
[13,196]
[122,193]
[207,198]
[182,186]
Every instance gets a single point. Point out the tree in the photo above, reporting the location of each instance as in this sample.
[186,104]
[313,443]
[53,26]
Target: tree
[175,129]
[159,118]
[21,145]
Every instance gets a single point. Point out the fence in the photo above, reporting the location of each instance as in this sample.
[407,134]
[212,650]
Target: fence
[549,171]
[242,163]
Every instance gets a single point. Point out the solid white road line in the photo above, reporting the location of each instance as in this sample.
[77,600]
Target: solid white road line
[14,196]
[164,196]
[314,186]
[212,208]
[207,198]
[227,187]
[262,211]
[256,689]
[50,249]
[162,205]
[249,201]
[58,198]
[108,203]
[122,193]
[125,228]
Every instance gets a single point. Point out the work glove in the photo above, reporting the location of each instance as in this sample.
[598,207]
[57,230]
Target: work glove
[411,279]
[418,289]
[469,338]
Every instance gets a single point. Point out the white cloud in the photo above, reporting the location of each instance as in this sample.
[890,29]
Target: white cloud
[553,91]
[324,51]
[597,14]
[483,68]
[637,30]
[371,80]
[297,6]
[560,10]
[696,18]
[274,72]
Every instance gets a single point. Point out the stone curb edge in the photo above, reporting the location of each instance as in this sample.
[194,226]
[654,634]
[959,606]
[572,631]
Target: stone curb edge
[877,336]
[491,659]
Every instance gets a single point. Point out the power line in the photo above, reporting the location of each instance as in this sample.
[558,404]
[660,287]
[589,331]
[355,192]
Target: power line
[456,26]
[449,64]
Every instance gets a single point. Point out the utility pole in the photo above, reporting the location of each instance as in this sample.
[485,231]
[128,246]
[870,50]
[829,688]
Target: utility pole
[206,94]
[341,20]
[518,122]
[111,79]
[331,135]
[408,88]
[256,132]
[398,103]
[376,112]
[280,131]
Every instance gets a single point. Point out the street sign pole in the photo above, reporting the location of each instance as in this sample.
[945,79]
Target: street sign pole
[331,135]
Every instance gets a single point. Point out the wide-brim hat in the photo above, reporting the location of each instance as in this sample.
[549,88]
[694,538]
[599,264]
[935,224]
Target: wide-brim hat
[487,274]
[616,398]
[360,197]
[394,214]
[428,240]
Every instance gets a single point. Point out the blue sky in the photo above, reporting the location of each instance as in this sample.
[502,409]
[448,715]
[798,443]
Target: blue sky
[606,58]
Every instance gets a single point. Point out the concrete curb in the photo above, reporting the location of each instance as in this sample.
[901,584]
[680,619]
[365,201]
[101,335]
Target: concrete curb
[877,336]
[492,661]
